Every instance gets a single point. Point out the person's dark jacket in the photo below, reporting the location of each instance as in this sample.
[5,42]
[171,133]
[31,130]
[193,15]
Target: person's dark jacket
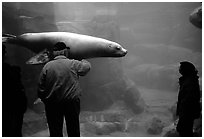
[13,92]
[59,79]
[189,97]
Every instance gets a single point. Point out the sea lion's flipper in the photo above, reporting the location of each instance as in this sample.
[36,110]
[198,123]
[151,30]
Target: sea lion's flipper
[41,58]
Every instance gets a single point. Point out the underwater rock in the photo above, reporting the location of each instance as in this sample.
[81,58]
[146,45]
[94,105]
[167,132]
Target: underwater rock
[170,131]
[131,126]
[155,126]
[172,109]
[125,89]
[33,123]
[103,128]
[133,100]
[106,122]
[102,117]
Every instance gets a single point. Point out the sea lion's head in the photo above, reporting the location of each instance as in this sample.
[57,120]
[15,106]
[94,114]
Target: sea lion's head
[116,50]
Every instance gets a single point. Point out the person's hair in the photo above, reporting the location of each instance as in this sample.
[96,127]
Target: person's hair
[188,68]
[60,48]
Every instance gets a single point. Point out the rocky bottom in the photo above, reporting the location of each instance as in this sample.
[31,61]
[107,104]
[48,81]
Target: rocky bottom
[118,121]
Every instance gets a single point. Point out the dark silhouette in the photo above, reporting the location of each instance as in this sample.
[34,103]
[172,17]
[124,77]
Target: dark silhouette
[60,91]
[14,101]
[188,106]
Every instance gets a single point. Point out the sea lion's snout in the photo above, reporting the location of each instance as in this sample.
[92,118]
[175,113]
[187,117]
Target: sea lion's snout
[125,51]
[119,50]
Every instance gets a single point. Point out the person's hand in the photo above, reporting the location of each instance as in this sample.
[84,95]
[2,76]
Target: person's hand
[37,101]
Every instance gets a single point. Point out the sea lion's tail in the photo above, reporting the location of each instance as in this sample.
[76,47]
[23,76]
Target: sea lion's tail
[6,37]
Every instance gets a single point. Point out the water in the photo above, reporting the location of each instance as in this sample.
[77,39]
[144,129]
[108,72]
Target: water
[157,36]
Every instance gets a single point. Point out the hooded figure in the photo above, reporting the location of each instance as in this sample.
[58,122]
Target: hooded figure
[188,106]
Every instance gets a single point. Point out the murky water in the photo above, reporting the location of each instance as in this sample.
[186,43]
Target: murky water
[124,94]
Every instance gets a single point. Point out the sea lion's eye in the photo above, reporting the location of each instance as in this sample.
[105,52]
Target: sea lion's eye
[109,45]
[118,48]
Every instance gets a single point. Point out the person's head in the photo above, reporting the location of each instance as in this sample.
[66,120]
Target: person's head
[187,69]
[60,48]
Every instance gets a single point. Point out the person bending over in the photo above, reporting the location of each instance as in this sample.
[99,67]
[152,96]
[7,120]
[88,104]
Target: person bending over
[59,90]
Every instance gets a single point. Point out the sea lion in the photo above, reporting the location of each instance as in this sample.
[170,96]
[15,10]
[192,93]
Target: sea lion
[81,46]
